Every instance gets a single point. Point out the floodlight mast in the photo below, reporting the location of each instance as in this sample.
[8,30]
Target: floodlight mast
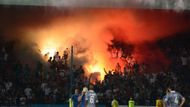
[71,72]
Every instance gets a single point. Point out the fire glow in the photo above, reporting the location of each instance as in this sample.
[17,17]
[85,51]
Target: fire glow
[92,33]
[91,30]
[96,69]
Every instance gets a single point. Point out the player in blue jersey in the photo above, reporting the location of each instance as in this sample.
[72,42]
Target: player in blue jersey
[75,98]
[173,99]
[81,98]
[91,97]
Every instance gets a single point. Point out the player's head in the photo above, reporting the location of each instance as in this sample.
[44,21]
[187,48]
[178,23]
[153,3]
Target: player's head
[91,87]
[170,88]
[114,97]
[84,90]
[76,91]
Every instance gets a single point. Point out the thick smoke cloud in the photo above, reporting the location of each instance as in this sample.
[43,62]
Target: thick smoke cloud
[92,30]
[119,44]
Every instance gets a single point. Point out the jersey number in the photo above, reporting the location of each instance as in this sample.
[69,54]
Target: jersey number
[176,100]
[92,99]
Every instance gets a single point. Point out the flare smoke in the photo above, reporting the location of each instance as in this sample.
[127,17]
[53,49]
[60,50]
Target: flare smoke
[92,31]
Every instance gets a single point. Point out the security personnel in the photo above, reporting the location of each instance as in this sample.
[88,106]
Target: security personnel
[131,103]
[114,102]
[70,102]
[159,103]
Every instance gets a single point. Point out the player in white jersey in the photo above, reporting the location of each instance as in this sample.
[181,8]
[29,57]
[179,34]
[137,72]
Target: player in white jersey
[91,97]
[173,99]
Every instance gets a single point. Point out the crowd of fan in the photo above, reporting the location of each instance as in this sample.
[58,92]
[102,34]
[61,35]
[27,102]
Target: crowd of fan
[47,82]
[19,84]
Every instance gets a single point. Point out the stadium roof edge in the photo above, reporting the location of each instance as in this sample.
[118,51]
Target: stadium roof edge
[152,4]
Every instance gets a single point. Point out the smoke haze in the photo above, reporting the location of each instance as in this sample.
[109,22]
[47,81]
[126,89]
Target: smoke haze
[91,31]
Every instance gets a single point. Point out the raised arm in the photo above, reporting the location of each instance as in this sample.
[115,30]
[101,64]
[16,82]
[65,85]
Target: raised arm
[80,97]
[105,71]
[182,102]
